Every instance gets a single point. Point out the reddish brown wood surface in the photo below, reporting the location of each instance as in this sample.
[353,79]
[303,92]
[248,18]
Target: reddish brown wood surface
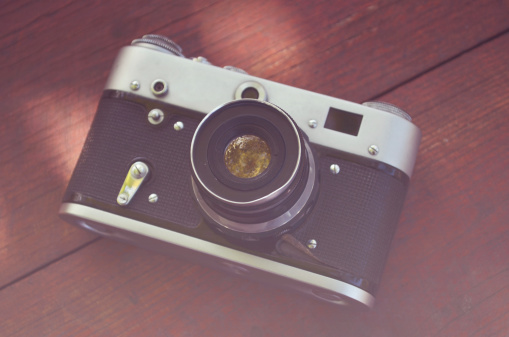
[445,62]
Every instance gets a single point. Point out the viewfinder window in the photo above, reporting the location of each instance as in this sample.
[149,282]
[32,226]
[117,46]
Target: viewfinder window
[343,121]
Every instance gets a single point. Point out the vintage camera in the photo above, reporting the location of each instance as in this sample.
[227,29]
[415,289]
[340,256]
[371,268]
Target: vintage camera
[239,173]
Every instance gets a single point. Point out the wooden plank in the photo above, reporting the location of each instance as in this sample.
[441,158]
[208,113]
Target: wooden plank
[86,300]
[55,58]
[54,61]
[447,274]
[377,43]
[453,250]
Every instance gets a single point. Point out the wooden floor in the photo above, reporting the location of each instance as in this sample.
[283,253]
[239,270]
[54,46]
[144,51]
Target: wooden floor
[445,62]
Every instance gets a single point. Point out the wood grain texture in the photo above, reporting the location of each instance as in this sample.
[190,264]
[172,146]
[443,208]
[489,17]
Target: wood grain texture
[443,61]
[458,239]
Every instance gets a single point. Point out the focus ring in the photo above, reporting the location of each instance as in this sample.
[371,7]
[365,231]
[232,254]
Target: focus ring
[273,201]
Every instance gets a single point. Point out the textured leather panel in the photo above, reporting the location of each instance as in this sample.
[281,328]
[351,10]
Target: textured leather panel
[354,218]
[121,133]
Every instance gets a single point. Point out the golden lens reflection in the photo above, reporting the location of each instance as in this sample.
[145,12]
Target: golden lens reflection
[247,156]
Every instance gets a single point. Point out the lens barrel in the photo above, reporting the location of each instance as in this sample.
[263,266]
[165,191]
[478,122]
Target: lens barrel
[280,193]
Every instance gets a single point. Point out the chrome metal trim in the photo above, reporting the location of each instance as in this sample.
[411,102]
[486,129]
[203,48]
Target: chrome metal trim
[202,87]
[274,194]
[262,93]
[213,255]
[269,225]
[159,93]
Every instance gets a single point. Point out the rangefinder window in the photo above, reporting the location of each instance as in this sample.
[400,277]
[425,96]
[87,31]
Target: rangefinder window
[343,121]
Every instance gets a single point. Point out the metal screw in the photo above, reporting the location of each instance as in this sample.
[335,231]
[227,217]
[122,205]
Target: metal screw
[312,244]
[153,198]
[123,199]
[201,59]
[155,116]
[312,123]
[77,197]
[373,150]
[139,170]
[334,169]
[178,126]
[135,85]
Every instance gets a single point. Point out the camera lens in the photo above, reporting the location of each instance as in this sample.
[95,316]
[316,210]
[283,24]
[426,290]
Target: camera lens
[254,174]
[247,156]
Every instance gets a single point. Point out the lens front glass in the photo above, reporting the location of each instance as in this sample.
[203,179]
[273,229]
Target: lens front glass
[247,156]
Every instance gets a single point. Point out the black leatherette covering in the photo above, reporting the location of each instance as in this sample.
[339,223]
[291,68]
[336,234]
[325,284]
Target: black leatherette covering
[353,220]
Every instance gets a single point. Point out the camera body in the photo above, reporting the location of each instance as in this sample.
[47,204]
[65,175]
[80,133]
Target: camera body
[320,216]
